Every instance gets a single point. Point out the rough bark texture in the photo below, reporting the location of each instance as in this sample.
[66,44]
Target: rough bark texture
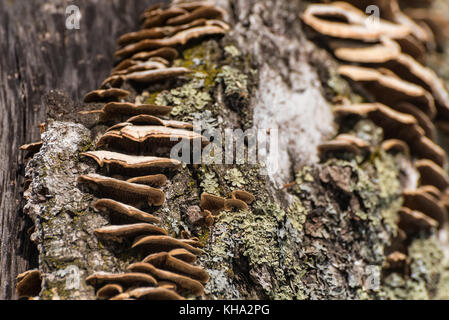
[322,239]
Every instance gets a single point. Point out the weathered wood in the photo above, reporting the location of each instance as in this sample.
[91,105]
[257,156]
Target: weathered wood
[38,54]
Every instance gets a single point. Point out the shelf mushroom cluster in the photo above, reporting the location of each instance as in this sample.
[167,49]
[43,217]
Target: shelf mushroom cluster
[385,59]
[131,153]
[132,148]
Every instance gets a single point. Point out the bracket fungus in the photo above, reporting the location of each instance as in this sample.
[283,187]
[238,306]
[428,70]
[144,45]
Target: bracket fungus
[124,279]
[243,195]
[169,261]
[412,221]
[128,231]
[130,164]
[29,284]
[145,119]
[432,174]
[122,210]
[122,190]
[421,201]
[108,291]
[132,137]
[155,180]
[214,204]
[165,52]
[181,281]
[150,293]
[390,89]
[231,204]
[106,95]
[161,243]
[32,148]
[114,109]
[342,20]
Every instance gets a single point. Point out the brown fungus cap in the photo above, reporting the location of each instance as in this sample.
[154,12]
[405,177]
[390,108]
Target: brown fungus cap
[144,119]
[432,174]
[148,76]
[183,254]
[109,290]
[338,146]
[389,89]
[29,284]
[395,146]
[123,210]
[32,148]
[205,11]
[181,281]
[165,52]
[125,279]
[212,203]
[359,52]
[178,39]
[140,66]
[235,204]
[421,201]
[397,125]
[432,191]
[422,119]
[159,32]
[105,95]
[128,231]
[129,109]
[133,163]
[159,18]
[163,243]
[150,293]
[149,135]
[122,190]
[155,180]
[327,20]
[243,195]
[412,221]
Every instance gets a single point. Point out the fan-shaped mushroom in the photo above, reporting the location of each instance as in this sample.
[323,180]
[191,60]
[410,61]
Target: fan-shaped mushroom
[123,210]
[122,190]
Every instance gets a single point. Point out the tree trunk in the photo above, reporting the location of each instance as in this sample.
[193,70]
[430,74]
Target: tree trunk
[325,237]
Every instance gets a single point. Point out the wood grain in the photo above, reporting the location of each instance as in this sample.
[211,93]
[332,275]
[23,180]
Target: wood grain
[39,54]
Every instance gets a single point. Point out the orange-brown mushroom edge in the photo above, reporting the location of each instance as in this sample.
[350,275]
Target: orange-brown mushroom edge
[122,190]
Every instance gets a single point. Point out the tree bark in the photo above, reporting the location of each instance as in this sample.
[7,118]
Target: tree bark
[324,238]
